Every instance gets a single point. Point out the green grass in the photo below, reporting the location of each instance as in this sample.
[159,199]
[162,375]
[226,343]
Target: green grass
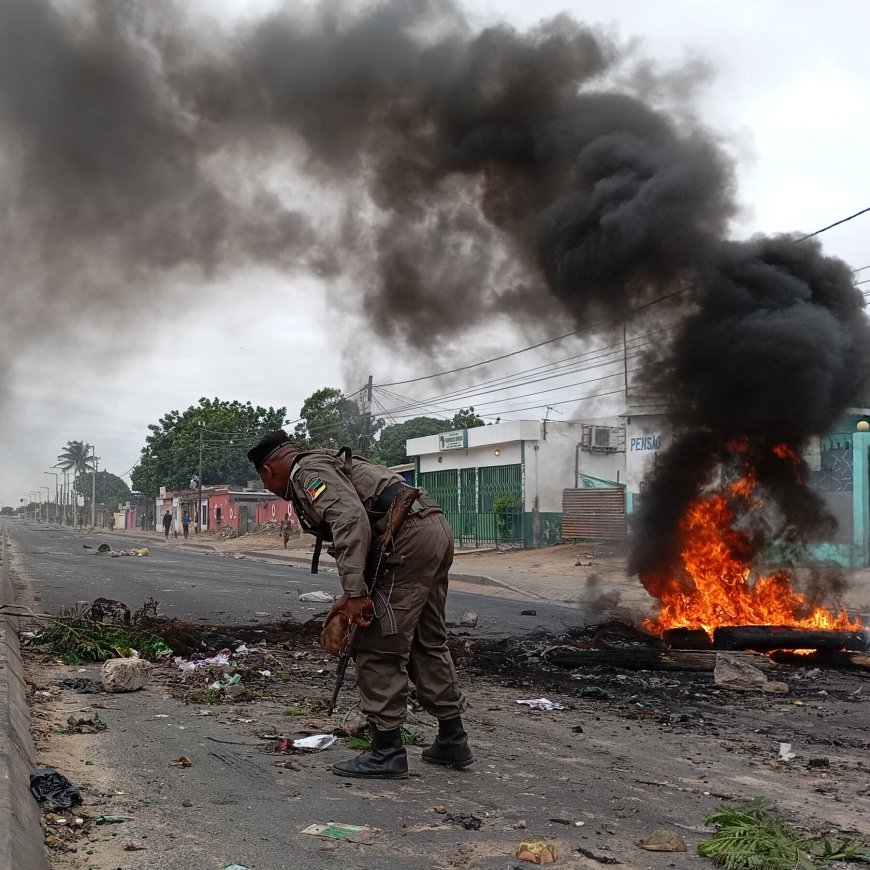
[76,638]
[751,838]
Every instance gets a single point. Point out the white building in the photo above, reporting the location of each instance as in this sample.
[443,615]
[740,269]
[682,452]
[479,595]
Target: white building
[534,482]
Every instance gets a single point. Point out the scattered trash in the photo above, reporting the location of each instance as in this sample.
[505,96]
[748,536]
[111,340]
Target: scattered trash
[663,840]
[340,831]
[577,729]
[188,666]
[468,821]
[528,613]
[110,820]
[819,762]
[234,867]
[85,724]
[109,611]
[318,597]
[53,790]
[125,674]
[560,821]
[601,859]
[537,852]
[440,809]
[312,743]
[541,704]
[520,824]
[469,619]
[597,693]
[242,650]
[315,742]
[183,761]
[82,685]
[106,550]
[785,752]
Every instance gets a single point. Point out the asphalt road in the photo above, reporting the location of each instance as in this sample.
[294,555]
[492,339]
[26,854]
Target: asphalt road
[194,583]
[665,750]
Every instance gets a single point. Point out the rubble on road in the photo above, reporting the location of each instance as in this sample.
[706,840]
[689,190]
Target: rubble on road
[125,674]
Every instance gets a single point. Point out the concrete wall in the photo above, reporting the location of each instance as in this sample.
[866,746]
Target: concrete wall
[547,449]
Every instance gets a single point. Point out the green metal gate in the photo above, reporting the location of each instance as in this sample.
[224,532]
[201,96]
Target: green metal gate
[484,506]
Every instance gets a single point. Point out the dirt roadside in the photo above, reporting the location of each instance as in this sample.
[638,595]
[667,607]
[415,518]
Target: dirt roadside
[631,752]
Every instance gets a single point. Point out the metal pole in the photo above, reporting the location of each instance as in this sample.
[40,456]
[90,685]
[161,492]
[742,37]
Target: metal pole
[199,484]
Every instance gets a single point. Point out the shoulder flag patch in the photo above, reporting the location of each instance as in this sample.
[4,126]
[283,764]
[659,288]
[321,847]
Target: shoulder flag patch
[315,488]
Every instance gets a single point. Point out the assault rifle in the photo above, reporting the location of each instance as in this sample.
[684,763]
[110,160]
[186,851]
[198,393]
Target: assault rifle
[380,556]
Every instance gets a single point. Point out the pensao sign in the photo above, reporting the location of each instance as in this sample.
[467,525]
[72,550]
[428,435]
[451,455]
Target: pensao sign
[453,440]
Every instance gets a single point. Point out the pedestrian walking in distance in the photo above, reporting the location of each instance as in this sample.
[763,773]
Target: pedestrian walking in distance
[167,524]
[348,498]
[185,524]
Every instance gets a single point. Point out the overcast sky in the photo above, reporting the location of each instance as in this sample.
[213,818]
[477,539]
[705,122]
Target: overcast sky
[787,96]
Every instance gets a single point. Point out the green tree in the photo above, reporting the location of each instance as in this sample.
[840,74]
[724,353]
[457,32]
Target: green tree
[465,418]
[390,447]
[331,421]
[226,431]
[76,456]
[110,489]
[7,511]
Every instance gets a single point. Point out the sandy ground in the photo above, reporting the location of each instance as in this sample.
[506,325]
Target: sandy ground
[630,752]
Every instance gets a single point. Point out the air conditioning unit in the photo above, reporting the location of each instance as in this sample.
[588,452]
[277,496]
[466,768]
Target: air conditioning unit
[602,436]
[602,439]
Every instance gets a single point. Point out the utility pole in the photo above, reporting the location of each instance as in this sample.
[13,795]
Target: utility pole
[199,482]
[56,495]
[94,487]
[367,416]
[625,362]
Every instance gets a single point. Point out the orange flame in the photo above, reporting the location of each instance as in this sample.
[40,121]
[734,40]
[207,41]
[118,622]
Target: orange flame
[715,586]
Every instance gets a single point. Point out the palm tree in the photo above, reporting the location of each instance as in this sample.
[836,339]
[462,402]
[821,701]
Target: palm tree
[76,456]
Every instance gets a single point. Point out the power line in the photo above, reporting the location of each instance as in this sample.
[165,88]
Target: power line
[831,226]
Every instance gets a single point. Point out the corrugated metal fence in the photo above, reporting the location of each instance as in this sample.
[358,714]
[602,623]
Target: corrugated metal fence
[598,514]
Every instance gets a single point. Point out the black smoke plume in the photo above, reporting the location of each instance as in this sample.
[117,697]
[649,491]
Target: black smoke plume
[447,174]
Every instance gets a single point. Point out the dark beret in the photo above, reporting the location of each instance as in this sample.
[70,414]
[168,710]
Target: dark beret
[266,446]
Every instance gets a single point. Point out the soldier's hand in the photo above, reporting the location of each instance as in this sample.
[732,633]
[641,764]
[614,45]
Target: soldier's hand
[360,611]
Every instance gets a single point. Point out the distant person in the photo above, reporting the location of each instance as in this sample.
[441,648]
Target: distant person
[111,524]
[167,524]
[185,524]
[287,528]
[151,522]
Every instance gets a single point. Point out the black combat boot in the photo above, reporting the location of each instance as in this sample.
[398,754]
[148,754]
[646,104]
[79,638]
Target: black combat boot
[450,746]
[386,759]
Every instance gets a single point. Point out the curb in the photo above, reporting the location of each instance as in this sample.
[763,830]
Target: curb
[328,566]
[21,839]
